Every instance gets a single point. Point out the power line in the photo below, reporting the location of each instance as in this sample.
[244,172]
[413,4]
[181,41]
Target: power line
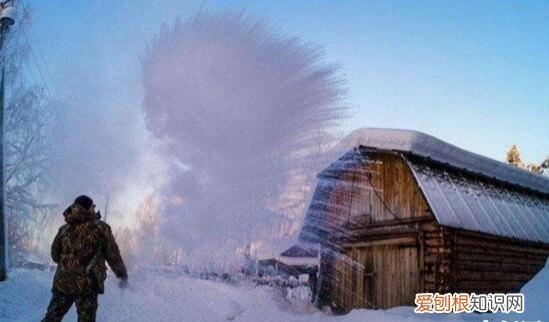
[31,39]
[41,52]
[26,68]
[38,68]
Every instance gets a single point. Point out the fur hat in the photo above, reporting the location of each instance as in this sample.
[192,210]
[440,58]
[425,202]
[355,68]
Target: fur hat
[84,201]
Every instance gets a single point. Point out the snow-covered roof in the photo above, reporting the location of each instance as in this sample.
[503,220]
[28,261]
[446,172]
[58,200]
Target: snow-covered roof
[427,146]
[495,206]
[484,206]
[299,251]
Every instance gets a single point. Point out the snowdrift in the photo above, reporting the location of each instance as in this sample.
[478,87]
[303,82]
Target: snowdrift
[154,297]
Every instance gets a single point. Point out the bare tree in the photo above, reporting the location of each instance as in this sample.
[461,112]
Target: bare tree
[28,140]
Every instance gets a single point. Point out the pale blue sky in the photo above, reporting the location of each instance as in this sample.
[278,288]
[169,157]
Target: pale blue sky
[473,73]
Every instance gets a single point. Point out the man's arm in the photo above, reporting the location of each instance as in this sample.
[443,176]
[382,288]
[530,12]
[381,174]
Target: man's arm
[56,246]
[112,254]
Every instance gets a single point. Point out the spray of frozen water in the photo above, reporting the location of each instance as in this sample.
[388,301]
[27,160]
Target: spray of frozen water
[243,111]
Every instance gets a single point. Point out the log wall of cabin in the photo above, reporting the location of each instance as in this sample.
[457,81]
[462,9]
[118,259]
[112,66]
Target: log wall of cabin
[483,263]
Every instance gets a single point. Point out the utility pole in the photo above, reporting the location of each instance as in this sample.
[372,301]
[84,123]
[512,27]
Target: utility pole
[6,20]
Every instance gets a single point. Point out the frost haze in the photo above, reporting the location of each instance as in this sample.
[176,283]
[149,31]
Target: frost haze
[242,109]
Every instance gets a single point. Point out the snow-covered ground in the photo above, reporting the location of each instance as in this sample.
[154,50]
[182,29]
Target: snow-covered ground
[154,297]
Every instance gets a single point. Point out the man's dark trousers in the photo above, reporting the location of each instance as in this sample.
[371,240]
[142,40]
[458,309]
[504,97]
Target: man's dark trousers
[86,306]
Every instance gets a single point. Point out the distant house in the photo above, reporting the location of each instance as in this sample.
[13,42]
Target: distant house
[298,251]
[294,261]
[402,212]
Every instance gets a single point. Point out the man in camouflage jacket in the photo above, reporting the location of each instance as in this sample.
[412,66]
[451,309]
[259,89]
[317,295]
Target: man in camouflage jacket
[80,250]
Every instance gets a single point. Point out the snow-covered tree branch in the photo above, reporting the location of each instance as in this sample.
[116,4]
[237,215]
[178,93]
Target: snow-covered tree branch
[28,111]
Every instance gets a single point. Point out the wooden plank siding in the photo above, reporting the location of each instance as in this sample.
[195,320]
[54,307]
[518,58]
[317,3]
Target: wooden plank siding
[381,259]
[391,277]
[392,180]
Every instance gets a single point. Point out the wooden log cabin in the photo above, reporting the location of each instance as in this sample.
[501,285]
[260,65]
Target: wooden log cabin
[402,212]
